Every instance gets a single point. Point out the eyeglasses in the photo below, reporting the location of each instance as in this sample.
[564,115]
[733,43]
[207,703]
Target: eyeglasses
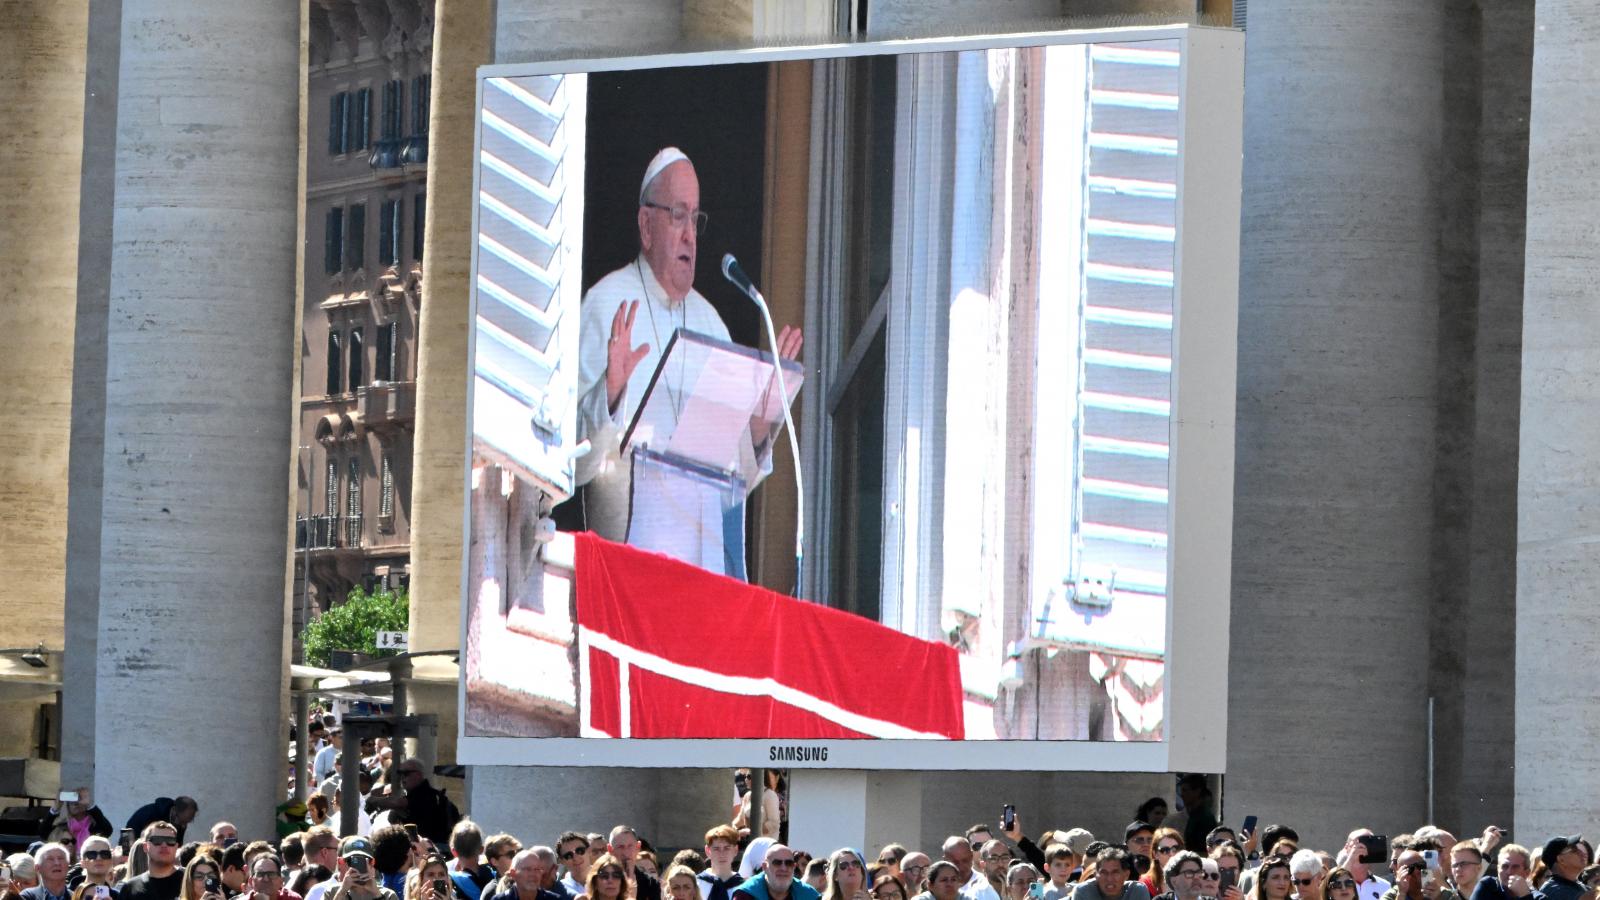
[1169,848]
[97,854]
[1192,872]
[575,851]
[781,862]
[1305,882]
[200,874]
[681,214]
[1342,883]
[910,869]
[161,840]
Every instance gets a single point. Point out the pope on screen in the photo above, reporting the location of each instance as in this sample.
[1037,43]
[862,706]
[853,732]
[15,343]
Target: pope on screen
[628,318]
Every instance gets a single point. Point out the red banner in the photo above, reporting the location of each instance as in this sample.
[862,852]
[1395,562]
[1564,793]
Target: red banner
[668,650]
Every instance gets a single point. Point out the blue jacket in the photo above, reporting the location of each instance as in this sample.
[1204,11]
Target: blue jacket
[755,888]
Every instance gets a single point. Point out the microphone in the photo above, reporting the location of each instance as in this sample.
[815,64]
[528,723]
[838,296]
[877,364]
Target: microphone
[736,275]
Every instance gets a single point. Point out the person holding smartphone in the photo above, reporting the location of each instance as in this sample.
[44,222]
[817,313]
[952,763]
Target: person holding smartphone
[1020,881]
[357,876]
[1229,858]
[96,862]
[432,881]
[202,880]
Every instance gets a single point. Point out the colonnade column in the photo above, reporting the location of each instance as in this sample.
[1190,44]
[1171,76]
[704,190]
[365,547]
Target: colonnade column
[1558,494]
[1335,452]
[182,401]
[41,64]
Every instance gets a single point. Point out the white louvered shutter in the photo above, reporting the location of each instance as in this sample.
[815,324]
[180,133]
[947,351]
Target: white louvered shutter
[530,200]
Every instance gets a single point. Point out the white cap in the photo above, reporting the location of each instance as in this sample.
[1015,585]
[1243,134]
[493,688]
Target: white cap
[665,157]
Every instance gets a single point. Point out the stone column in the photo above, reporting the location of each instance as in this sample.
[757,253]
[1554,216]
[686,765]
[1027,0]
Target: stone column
[182,406]
[41,63]
[1338,320]
[1558,496]
[462,36]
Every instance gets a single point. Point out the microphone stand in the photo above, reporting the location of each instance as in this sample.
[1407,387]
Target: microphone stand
[750,291]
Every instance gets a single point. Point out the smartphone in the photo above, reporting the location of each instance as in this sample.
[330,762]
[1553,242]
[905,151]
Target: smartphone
[102,892]
[1431,857]
[1249,825]
[5,874]
[1141,864]
[1228,876]
[213,886]
[1036,891]
[411,831]
[1008,817]
[359,863]
[1377,846]
[126,840]
[68,796]
[441,888]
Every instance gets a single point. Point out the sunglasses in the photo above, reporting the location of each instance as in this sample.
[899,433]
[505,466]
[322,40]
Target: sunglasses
[1210,877]
[1168,848]
[97,854]
[157,840]
[1305,882]
[785,862]
[1342,883]
[847,864]
[576,851]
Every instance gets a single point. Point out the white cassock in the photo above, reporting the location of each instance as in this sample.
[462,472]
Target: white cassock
[687,522]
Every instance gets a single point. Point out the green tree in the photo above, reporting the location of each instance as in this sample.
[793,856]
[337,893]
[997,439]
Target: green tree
[355,623]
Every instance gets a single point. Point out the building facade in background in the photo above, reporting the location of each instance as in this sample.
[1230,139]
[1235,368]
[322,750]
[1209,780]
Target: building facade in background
[366,198]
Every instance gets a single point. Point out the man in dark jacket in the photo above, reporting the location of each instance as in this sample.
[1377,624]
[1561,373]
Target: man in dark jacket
[420,804]
[179,811]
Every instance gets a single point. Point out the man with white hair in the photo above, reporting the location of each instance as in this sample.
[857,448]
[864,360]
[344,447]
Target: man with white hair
[50,863]
[776,880]
[97,858]
[1305,871]
[1369,886]
[628,318]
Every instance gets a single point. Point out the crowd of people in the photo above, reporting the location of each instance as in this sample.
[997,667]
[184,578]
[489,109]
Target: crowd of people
[440,856]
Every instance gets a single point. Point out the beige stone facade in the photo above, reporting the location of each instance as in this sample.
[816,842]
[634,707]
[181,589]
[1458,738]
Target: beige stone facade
[366,176]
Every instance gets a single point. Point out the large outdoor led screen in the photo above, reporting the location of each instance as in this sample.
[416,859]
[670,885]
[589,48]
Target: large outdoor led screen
[994,532]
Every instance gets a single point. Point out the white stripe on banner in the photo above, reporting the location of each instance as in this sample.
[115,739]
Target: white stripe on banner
[624,700]
[739,684]
[586,722]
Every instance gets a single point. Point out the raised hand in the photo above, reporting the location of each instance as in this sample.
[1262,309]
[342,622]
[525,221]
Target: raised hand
[789,342]
[621,356]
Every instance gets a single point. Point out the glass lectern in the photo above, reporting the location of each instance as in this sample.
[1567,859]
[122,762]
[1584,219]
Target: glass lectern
[700,440]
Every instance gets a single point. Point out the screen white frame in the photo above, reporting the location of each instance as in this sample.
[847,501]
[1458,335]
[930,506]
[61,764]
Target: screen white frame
[1206,265]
